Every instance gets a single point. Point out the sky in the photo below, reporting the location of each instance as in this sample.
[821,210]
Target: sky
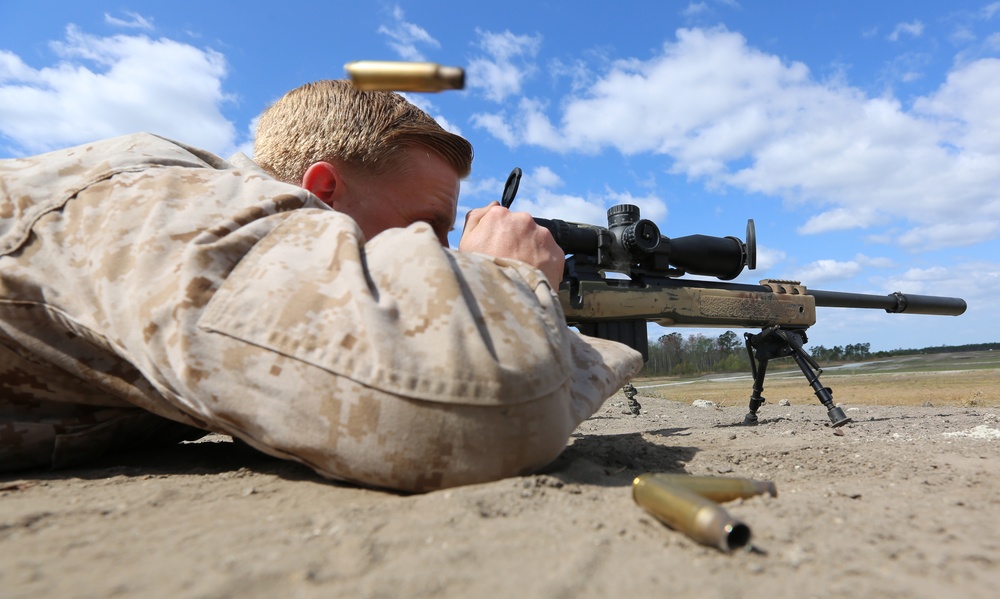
[863,138]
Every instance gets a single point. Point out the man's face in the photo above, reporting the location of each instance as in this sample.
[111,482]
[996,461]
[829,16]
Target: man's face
[425,189]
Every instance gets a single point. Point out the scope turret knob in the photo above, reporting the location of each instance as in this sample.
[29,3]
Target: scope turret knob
[622,214]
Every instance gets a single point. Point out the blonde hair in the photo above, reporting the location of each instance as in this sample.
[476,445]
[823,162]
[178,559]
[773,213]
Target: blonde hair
[332,121]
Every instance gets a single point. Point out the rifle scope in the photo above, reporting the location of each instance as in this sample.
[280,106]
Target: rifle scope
[632,244]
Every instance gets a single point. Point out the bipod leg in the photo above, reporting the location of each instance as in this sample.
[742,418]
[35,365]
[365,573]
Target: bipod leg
[811,370]
[759,369]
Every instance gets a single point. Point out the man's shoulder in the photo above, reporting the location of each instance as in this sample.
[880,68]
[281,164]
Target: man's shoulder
[243,162]
[38,184]
[113,154]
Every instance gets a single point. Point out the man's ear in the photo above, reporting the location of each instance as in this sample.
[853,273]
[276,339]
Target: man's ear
[325,182]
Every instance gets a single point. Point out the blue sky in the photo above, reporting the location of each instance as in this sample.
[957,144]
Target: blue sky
[862,137]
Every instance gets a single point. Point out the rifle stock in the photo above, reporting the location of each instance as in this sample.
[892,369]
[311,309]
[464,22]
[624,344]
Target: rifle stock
[678,302]
[683,302]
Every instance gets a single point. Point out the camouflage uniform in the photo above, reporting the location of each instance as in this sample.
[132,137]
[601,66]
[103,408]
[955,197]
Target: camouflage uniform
[145,283]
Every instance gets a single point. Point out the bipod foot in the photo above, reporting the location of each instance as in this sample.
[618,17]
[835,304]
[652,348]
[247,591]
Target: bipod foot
[634,407]
[750,419]
[837,417]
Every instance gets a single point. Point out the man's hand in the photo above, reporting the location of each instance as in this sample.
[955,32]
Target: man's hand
[496,231]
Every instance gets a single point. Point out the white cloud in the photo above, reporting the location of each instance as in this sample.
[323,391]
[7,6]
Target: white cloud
[246,147]
[108,86]
[423,102]
[532,126]
[950,234]
[12,68]
[545,177]
[823,271]
[495,125]
[968,102]
[977,282]
[914,28]
[578,72]
[546,203]
[751,121]
[840,219]
[506,65]
[868,261]
[699,9]
[651,206]
[962,35]
[993,42]
[694,9]
[539,195]
[405,37]
[767,259]
[135,21]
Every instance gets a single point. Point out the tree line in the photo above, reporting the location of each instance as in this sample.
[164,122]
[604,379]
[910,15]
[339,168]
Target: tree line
[675,354]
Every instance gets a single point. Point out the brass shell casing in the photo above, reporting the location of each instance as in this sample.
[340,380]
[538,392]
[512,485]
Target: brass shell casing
[719,489]
[378,75]
[698,517]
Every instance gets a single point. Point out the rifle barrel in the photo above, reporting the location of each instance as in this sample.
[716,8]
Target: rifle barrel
[894,303]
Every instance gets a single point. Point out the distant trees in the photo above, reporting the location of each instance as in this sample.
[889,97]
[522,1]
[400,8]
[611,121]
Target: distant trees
[942,349]
[674,354]
[846,353]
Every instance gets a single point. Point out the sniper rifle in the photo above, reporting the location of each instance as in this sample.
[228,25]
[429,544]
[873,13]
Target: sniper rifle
[649,288]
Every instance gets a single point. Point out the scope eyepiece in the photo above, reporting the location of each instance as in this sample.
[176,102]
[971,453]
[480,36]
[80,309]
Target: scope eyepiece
[642,237]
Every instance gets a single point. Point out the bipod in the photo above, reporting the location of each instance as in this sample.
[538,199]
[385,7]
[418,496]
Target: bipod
[779,342]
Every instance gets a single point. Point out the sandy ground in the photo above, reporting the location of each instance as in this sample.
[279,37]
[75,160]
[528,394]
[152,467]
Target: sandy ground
[904,503]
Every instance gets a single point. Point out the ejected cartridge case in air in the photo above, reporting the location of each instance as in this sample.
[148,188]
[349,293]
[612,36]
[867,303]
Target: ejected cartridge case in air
[681,509]
[717,488]
[373,75]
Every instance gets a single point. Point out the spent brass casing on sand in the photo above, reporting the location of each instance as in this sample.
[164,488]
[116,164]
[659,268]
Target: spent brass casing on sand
[699,518]
[379,75]
[719,489]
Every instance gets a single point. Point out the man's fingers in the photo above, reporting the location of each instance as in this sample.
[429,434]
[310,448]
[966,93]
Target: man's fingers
[472,217]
